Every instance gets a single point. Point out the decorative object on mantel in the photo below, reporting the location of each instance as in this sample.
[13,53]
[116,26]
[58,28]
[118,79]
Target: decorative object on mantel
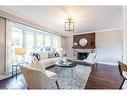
[92,43]
[75,44]
[83,41]
[69,25]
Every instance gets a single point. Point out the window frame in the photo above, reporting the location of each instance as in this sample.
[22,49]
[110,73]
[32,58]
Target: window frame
[36,32]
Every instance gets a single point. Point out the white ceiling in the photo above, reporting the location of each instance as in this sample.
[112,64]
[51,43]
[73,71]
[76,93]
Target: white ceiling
[86,18]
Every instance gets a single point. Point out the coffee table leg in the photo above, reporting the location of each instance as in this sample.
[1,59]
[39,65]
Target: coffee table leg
[72,72]
[16,72]
[55,69]
[12,71]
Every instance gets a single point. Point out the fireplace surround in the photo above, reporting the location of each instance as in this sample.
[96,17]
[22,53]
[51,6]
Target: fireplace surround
[76,51]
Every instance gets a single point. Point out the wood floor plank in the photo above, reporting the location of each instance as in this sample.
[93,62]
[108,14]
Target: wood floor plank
[105,77]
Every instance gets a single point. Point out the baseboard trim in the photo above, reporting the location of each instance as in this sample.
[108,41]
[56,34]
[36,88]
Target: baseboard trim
[8,75]
[2,77]
[107,63]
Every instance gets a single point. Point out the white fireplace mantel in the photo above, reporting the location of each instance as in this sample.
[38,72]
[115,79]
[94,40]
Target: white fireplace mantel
[75,51]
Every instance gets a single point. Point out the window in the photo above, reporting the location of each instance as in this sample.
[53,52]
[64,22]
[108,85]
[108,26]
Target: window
[26,37]
[17,37]
[47,43]
[39,40]
[55,42]
[30,41]
[17,41]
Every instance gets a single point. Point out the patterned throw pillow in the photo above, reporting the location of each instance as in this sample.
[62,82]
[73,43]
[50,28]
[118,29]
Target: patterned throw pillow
[37,56]
[57,54]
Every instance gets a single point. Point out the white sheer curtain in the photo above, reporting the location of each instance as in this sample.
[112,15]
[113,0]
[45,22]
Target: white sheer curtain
[8,47]
[125,34]
[2,47]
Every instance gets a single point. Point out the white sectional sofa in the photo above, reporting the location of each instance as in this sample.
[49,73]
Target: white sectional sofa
[48,59]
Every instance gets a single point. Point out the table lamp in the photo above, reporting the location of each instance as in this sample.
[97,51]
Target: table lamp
[20,52]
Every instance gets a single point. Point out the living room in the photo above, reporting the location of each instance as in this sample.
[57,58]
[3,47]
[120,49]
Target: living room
[74,47]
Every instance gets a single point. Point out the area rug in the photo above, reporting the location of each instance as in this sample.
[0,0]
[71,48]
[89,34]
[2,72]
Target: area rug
[66,81]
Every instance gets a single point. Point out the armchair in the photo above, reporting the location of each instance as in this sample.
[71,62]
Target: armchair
[91,60]
[37,79]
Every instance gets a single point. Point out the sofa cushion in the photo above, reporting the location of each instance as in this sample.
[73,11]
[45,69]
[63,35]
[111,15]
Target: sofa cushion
[51,54]
[54,59]
[43,55]
[49,62]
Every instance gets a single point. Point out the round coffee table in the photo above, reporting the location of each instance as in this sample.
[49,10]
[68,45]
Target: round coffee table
[68,64]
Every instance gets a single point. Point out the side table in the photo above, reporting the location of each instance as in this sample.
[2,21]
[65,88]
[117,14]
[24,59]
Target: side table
[15,65]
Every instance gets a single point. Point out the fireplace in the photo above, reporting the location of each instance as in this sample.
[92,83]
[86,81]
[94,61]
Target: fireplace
[82,55]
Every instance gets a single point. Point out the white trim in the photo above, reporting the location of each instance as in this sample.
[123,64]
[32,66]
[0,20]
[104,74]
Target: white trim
[107,63]
[35,40]
[8,75]
[103,30]
[24,39]
[125,34]
[4,76]
[16,17]
[8,46]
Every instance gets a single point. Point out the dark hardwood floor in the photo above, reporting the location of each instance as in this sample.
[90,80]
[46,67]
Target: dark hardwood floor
[12,83]
[106,77]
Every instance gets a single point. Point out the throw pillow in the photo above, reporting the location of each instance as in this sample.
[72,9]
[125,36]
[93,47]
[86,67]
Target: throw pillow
[56,54]
[43,55]
[37,65]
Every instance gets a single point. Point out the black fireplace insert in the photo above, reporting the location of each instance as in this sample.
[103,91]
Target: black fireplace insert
[82,55]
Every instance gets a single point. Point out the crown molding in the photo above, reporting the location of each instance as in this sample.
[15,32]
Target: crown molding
[102,30]
[19,18]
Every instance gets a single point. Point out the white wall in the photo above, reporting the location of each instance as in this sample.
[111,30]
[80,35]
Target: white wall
[125,34]
[63,42]
[109,46]
[69,44]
